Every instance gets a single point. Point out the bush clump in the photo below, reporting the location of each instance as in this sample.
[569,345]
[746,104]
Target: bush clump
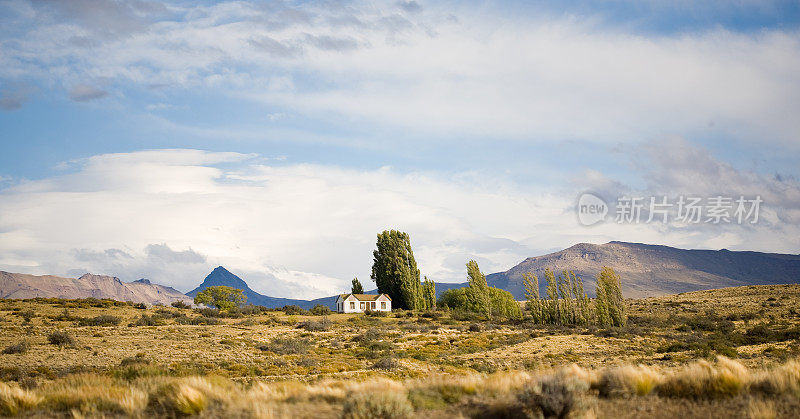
[386,363]
[180,304]
[558,396]
[61,338]
[154,320]
[17,348]
[321,325]
[288,346]
[320,310]
[377,405]
[102,320]
[293,310]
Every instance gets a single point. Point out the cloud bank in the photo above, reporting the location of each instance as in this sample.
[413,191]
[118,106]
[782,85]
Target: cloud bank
[438,71]
[304,230]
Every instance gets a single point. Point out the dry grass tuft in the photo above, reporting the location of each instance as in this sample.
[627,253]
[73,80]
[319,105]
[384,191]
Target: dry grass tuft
[784,379]
[561,395]
[702,380]
[190,395]
[761,409]
[377,405]
[627,381]
[88,393]
[14,400]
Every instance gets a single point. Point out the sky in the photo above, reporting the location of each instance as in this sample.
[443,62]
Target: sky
[161,139]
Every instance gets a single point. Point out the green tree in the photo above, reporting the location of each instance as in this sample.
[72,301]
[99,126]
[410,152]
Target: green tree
[394,270]
[478,290]
[480,298]
[534,304]
[551,294]
[429,294]
[221,297]
[610,304]
[357,288]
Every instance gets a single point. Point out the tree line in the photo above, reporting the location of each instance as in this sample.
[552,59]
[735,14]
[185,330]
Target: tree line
[565,302]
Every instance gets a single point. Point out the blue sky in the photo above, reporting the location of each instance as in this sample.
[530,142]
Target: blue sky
[473,126]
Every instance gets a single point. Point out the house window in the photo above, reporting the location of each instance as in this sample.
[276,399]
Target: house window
[373,305]
[383,305]
[362,306]
[352,305]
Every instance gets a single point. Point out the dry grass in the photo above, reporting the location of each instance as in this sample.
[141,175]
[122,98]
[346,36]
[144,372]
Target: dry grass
[273,365]
[628,380]
[14,400]
[703,380]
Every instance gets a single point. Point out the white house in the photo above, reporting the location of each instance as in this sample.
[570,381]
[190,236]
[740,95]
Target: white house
[359,303]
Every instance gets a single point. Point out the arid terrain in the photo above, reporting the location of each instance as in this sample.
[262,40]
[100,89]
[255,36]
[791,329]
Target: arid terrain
[99,357]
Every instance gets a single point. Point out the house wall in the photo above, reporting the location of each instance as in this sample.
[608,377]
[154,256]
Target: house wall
[346,308]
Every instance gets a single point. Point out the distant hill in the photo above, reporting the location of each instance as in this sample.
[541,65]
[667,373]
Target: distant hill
[646,270]
[20,286]
[221,276]
[651,270]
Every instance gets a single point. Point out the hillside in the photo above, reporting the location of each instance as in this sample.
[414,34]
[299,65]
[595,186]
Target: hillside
[20,286]
[652,270]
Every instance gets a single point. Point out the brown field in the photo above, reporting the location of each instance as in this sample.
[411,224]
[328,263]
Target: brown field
[117,359]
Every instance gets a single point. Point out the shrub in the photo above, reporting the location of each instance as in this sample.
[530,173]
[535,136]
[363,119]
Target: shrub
[154,320]
[17,348]
[316,325]
[293,310]
[320,310]
[386,363]
[27,315]
[102,320]
[377,405]
[556,396]
[61,338]
[180,304]
[184,319]
[14,400]
[475,327]
[286,346]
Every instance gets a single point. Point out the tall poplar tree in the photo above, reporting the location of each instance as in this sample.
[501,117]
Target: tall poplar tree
[394,270]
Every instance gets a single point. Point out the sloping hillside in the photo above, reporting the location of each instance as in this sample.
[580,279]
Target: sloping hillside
[651,270]
[14,285]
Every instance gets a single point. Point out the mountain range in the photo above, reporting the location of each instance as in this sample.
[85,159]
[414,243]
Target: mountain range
[20,286]
[646,270]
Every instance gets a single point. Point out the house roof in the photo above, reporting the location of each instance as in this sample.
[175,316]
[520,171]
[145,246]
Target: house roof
[364,297]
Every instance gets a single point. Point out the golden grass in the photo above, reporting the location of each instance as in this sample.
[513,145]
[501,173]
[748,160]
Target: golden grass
[783,379]
[628,380]
[89,393]
[566,389]
[14,400]
[761,409]
[703,380]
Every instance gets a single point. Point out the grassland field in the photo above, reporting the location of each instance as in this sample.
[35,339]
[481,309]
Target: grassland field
[719,353]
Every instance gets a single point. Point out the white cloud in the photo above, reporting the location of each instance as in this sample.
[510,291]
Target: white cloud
[305,230]
[437,70]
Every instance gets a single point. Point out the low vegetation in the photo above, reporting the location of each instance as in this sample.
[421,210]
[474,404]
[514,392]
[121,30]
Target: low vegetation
[697,354]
